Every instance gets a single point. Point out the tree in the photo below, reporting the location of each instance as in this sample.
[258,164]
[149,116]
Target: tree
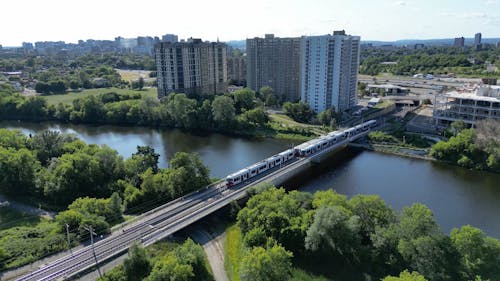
[329,198]
[373,213]
[74,84]
[18,171]
[416,221]
[406,276]
[267,95]
[433,256]
[244,99]
[171,269]
[478,254]
[115,205]
[33,108]
[256,116]
[192,254]
[273,210]
[223,111]
[12,139]
[137,266]
[72,176]
[182,110]
[145,158]
[325,117]
[299,112]
[334,231]
[140,83]
[457,127]
[191,162]
[273,264]
[42,88]
[49,144]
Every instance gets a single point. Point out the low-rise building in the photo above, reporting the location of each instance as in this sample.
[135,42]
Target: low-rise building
[389,89]
[468,105]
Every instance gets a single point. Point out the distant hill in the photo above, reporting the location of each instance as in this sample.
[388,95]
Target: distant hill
[241,44]
[237,44]
[445,41]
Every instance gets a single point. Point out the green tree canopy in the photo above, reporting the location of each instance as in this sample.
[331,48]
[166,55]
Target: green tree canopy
[273,264]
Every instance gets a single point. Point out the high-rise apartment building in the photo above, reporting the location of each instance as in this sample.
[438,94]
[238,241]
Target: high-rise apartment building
[236,69]
[192,67]
[477,39]
[172,38]
[329,74]
[274,62]
[459,42]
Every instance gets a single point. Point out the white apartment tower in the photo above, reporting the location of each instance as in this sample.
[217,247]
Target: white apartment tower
[329,71]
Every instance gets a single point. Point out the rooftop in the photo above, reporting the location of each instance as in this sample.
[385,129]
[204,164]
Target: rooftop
[471,96]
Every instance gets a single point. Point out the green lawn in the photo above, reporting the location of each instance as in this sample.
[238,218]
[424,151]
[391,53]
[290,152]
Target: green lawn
[72,95]
[12,218]
[233,247]
[384,104]
[286,120]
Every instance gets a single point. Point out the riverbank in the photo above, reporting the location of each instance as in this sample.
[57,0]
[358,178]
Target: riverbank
[417,153]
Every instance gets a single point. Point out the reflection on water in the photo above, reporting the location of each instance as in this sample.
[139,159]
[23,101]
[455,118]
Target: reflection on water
[222,154]
[456,196]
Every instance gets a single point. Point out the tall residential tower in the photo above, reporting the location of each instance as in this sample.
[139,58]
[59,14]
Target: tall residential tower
[329,74]
[274,62]
[192,67]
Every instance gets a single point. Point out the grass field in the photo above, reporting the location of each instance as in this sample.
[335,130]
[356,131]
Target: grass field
[233,247]
[283,119]
[12,218]
[133,75]
[70,96]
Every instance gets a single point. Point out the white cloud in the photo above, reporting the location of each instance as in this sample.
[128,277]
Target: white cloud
[400,3]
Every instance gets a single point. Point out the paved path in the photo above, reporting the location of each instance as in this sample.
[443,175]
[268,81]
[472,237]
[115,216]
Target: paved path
[213,244]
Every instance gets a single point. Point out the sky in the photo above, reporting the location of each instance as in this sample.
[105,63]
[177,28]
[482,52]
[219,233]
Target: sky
[385,20]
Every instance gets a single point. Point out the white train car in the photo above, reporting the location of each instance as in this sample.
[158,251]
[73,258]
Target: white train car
[302,150]
[237,177]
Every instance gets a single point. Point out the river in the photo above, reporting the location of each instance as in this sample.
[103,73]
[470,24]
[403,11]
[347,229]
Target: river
[456,196]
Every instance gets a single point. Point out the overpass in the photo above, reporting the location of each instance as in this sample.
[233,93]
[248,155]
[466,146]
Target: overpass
[169,218]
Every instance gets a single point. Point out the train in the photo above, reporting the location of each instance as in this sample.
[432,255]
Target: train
[303,150]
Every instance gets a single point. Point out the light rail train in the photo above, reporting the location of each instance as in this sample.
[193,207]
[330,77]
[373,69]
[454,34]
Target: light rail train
[303,150]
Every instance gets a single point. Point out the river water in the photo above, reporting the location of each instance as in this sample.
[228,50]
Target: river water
[456,196]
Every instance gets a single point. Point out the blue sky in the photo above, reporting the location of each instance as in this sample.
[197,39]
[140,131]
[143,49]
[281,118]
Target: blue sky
[70,20]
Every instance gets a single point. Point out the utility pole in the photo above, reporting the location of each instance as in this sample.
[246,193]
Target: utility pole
[69,243]
[92,233]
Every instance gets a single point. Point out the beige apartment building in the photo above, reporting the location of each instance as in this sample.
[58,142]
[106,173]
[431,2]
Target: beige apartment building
[191,67]
[274,62]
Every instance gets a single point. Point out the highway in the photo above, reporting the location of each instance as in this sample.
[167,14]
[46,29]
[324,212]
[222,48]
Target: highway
[163,221]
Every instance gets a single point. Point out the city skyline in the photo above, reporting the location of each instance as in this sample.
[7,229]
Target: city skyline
[375,20]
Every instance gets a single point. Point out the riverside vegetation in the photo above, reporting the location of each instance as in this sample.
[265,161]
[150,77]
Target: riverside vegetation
[279,235]
[163,261]
[241,112]
[89,184]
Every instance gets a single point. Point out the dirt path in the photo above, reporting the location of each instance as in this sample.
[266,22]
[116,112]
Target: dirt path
[26,208]
[213,244]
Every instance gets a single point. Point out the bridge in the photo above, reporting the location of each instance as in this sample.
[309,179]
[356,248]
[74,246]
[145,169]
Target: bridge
[169,218]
